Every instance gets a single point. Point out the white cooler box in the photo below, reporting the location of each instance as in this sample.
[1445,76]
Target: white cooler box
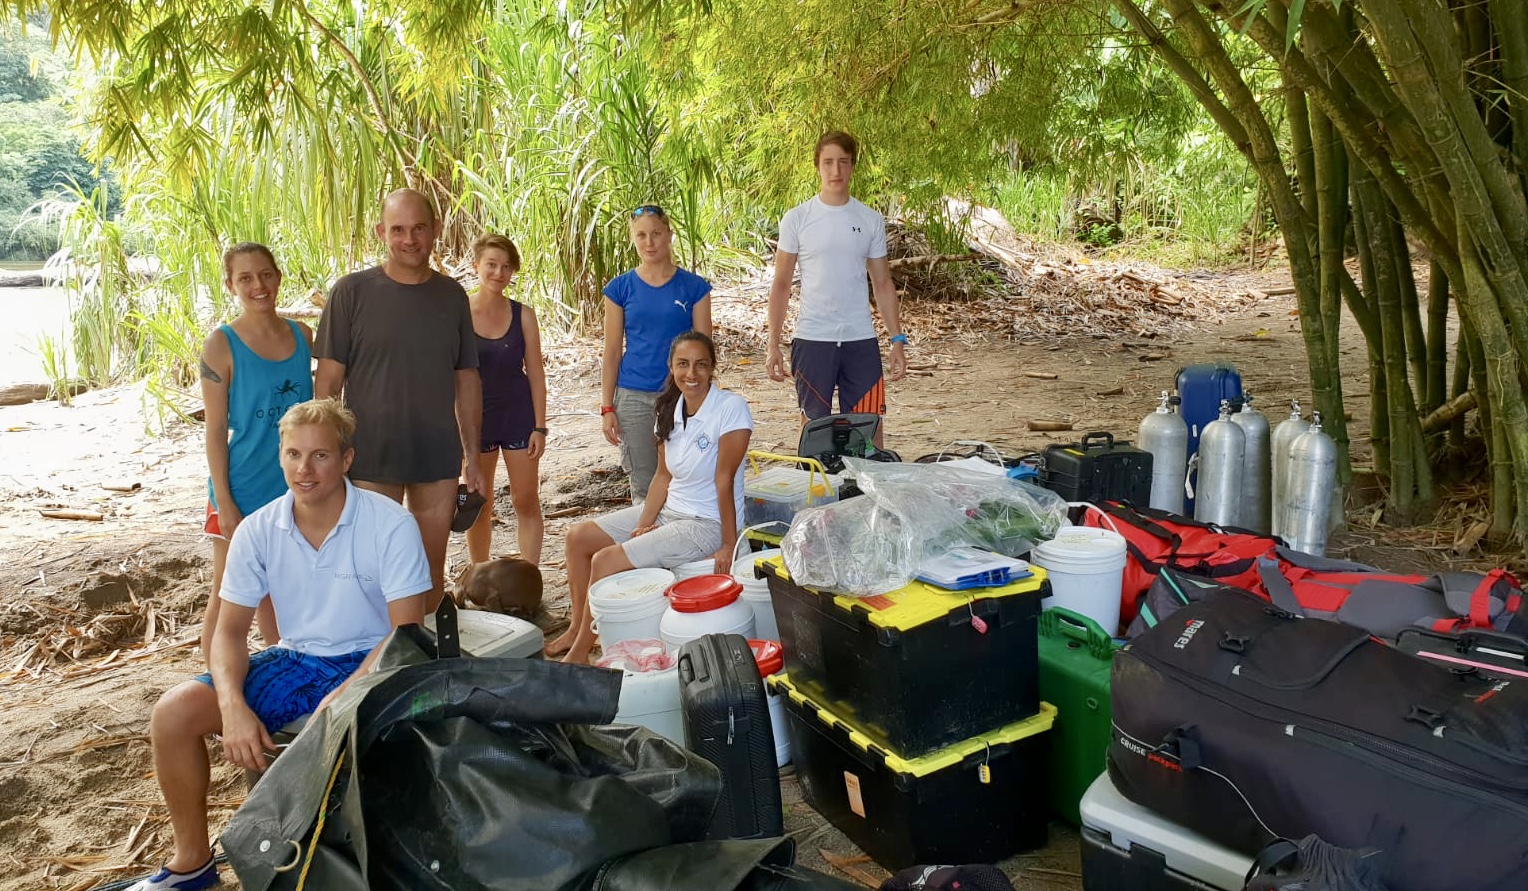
[488,634]
[1126,847]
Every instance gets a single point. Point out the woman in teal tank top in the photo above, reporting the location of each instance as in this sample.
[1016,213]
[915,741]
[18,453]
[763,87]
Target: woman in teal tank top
[253,369]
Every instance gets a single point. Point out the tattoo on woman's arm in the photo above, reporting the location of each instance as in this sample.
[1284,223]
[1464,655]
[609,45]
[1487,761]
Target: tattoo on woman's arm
[209,374]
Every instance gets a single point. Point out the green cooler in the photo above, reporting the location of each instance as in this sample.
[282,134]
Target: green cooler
[1075,657]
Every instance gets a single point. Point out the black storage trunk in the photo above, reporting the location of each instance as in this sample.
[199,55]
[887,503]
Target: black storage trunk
[1244,723]
[1098,469]
[909,669]
[726,721]
[933,809]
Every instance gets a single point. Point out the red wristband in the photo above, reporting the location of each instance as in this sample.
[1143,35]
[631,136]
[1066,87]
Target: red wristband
[607,410]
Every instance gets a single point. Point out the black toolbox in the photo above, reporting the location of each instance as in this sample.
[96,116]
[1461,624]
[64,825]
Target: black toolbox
[918,668]
[978,801]
[1098,469]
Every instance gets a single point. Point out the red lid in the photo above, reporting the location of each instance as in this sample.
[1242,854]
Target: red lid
[700,593]
[770,657]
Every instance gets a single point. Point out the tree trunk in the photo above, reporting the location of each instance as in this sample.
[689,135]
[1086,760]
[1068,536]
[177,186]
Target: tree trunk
[1437,338]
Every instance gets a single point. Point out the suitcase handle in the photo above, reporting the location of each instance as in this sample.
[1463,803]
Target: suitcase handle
[692,664]
[1088,440]
[1496,640]
[1058,621]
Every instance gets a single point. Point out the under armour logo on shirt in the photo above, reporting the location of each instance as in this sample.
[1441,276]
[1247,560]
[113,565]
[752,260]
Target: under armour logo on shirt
[855,228]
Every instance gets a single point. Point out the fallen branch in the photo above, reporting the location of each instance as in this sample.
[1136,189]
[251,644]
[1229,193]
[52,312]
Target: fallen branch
[931,259]
[1449,412]
[1041,426]
[67,513]
[849,867]
[1041,375]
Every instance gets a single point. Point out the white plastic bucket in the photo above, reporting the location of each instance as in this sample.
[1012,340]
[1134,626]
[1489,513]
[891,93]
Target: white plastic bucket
[756,593]
[777,725]
[694,568]
[723,612]
[629,605]
[1087,570]
[771,660]
[651,699]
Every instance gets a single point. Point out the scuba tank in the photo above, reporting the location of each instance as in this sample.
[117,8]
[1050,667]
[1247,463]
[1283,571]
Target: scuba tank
[1256,497]
[1222,451]
[1165,436]
[1284,436]
[1312,480]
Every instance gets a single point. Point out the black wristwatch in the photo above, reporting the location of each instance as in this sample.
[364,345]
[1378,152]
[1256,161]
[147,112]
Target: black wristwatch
[542,430]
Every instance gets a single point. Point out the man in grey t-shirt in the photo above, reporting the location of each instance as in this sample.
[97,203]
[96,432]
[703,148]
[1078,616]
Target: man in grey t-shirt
[398,340]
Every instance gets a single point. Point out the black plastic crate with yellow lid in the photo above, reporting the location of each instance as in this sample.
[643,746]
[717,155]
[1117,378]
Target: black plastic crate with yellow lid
[918,668]
[978,801]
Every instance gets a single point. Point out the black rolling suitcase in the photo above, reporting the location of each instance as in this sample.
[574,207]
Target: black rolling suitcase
[726,721]
[1244,723]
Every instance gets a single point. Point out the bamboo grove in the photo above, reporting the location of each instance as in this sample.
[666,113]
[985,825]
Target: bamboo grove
[1407,133]
[1386,136]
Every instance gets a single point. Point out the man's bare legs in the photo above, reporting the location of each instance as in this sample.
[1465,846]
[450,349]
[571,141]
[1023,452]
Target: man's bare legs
[433,506]
[181,721]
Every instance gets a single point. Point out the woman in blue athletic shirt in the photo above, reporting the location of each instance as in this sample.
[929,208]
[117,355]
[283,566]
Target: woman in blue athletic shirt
[645,309]
[253,369]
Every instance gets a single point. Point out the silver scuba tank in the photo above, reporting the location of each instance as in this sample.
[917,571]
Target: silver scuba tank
[1256,496]
[1312,480]
[1222,451]
[1165,436]
[1284,436]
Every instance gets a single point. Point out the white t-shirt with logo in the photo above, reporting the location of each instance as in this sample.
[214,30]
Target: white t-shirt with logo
[692,449]
[331,601]
[831,245]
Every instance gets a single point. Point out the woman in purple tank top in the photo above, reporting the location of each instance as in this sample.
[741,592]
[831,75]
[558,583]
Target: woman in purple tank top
[514,398]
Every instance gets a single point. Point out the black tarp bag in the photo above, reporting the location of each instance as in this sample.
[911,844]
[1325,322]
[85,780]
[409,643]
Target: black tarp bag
[1311,864]
[1247,724]
[469,774]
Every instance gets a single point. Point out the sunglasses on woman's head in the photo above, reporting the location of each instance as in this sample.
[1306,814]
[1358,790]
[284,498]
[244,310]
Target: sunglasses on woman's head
[646,209]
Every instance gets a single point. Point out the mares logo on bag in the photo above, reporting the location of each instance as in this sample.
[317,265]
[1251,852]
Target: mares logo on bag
[1189,631]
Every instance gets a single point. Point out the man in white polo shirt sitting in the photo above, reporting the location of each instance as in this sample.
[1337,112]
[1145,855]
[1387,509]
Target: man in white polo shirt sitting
[343,567]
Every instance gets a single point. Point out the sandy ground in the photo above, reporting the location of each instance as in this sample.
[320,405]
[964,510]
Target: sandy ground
[97,618]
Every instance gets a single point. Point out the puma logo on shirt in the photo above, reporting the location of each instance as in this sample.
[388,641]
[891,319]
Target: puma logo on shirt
[682,305]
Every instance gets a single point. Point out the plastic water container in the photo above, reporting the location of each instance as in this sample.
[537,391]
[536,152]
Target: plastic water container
[693,568]
[1087,571]
[629,605]
[705,604]
[778,492]
[771,660]
[649,698]
[755,593]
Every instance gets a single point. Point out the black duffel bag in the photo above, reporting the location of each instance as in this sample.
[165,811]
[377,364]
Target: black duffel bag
[1247,724]
[484,775]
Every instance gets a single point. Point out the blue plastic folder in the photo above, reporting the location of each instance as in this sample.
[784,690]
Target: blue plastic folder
[970,567]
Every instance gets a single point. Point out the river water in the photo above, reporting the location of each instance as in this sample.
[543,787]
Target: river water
[26,316]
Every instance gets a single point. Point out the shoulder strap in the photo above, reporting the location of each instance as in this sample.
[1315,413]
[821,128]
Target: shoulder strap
[1280,591]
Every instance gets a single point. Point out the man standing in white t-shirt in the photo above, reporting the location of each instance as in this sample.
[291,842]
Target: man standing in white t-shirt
[836,240]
